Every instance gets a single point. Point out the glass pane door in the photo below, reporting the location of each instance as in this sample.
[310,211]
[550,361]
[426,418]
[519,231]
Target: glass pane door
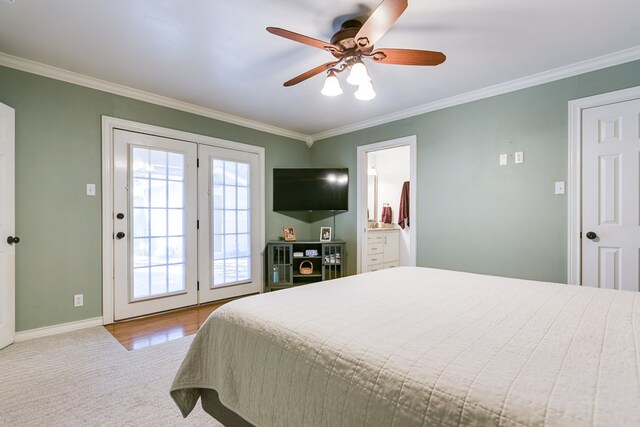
[231,229]
[157,221]
[155,232]
[229,251]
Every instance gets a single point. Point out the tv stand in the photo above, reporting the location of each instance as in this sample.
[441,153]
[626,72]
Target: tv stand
[320,261]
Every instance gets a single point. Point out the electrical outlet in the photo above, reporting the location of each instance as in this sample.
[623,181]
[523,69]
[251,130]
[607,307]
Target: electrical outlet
[503,160]
[78,300]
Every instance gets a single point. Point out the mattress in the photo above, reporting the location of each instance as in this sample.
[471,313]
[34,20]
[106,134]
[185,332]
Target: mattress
[421,347]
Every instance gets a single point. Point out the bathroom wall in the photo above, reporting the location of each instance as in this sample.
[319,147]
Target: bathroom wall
[393,167]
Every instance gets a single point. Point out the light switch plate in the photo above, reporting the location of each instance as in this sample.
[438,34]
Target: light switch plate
[560,187]
[503,159]
[91,189]
[519,157]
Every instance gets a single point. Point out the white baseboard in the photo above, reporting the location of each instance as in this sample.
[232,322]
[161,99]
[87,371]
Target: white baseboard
[57,329]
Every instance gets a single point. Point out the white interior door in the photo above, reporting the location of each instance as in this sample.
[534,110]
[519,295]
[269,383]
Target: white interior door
[610,196]
[229,240]
[7,225]
[154,223]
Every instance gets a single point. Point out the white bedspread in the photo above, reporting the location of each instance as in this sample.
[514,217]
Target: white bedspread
[422,347]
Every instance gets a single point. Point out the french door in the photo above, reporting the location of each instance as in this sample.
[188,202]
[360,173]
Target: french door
[155,224]
[229,264]
[183,234]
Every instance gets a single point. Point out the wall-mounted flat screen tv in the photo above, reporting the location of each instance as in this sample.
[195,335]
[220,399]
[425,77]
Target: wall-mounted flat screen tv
[311,189]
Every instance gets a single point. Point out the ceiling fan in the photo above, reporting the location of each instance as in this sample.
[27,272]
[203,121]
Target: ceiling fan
[353,43]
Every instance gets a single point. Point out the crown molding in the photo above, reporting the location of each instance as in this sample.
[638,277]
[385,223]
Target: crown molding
[582,67]
[105,86]
[309,141]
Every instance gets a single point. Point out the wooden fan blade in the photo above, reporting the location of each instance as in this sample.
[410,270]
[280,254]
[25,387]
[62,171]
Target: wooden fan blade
[302,39]
[308,74]
[385,15]
[407,57]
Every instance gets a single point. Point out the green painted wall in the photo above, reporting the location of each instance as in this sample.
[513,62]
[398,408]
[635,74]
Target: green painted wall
[474,215]
[58,151]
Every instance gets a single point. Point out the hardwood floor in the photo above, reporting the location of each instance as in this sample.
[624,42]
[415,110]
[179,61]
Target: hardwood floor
[159,328]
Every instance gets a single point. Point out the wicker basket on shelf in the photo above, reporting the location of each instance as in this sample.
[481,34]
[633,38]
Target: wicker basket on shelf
[306,267]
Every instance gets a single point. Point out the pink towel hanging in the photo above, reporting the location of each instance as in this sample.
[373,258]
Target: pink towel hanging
[403,211]
[386,214]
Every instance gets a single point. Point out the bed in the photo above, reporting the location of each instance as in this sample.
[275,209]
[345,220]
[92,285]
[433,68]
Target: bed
[414,346]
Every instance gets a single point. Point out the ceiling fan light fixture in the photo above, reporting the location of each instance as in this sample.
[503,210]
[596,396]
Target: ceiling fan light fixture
[331,85]
[358,75]
[365,92]
[355,42]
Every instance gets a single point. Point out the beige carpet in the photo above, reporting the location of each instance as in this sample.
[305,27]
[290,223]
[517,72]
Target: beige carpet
[85,378]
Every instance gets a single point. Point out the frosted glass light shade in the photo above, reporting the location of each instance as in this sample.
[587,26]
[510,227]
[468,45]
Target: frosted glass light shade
[331,86]
[358,75]
[365,92]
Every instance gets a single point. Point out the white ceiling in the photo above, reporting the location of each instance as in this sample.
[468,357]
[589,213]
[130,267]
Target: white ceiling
[216,54]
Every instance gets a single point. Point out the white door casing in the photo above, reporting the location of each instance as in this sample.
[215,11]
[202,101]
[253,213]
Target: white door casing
[7,225]
[362,181]
[155,241]
[610,196]
[229,263]
[109,127]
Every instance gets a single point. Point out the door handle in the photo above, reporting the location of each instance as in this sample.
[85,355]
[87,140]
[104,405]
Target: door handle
[120,235]
[591,235]
[11,240]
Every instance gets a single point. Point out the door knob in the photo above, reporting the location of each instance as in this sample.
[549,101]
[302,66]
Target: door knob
[591,235]
[11,240]
[120,235]
[120,215]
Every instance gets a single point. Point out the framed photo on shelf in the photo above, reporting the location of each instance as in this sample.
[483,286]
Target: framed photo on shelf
[325,234]
[289,234]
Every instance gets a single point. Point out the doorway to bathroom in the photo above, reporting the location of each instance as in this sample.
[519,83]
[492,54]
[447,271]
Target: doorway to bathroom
[387,204]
